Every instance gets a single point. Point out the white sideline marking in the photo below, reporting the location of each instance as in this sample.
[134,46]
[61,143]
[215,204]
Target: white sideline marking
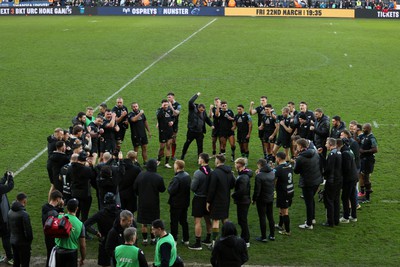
[26,165]
[390,201]
[376,125]
[30,161]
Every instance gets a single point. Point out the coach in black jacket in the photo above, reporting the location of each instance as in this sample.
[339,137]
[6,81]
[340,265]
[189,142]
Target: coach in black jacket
[263,197]
[81,178]
[334,180]
[127,195]
[308,166]
[241,196]
[21,231]
[219,193]
[115,236]
[350,179]
[148,186]
[197,119]
[179,200]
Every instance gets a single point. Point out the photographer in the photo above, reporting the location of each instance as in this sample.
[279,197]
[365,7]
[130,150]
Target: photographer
[6,185]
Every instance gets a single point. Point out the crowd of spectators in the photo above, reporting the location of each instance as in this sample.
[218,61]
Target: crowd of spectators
[338,4]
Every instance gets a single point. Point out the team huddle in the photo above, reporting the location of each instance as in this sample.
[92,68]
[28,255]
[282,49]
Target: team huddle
[328,158]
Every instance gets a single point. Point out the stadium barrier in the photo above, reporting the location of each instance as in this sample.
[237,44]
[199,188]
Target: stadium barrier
[198,11]
[375,14]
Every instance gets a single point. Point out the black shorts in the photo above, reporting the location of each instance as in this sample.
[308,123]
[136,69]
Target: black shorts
[139,141]
[226,133]
[175,128]
[164,136]
[261,135]
[283,142]
[367,165]
[241,138]
[283,200]
[199,207]
[267,140]
[215,132]
[109,146]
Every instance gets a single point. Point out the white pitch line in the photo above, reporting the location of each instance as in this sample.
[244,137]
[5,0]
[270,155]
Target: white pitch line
[26,165]
[376,125]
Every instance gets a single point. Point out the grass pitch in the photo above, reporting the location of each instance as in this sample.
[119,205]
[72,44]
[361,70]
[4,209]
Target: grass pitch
[53,67]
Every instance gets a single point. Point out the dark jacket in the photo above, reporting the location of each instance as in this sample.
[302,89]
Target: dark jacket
[335,131]
[50,210]
[55,162]
[349,169]
[20,225]
[355,147]
[81,176]
[200,181]
[104,219]
[125,186]
[242,187]
[264,186]
[333,168]
[6,185]
[219,191]
[321,131]
[197,121]
[308,166]
[115,237]
[148,186]
[229,251]
[179,191]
